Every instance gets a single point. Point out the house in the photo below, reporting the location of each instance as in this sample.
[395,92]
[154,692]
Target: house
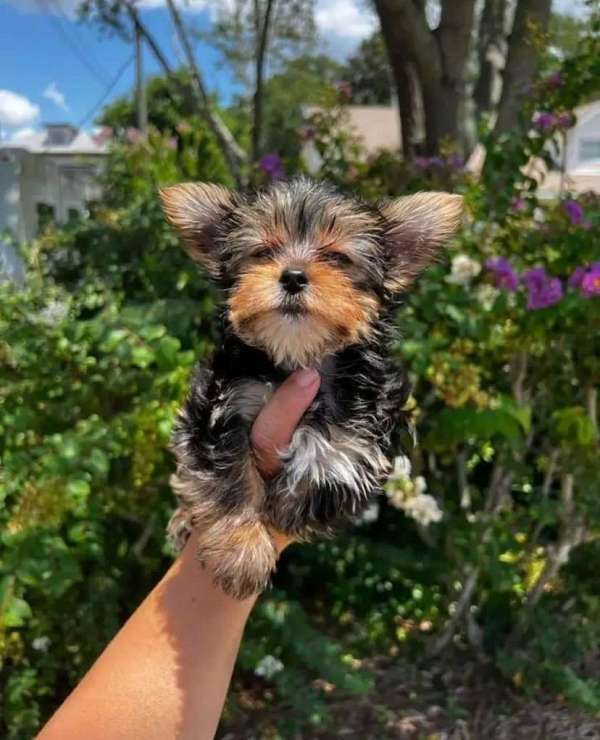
[580,156]
[47,175]
[375,126]
[577,164]
[378,127]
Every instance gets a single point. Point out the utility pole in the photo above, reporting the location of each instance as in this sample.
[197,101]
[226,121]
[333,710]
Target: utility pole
[140,89]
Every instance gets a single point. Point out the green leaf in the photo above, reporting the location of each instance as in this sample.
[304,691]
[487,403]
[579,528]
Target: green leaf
[142,356]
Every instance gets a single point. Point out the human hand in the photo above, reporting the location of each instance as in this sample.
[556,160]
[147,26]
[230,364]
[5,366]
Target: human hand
[274,427]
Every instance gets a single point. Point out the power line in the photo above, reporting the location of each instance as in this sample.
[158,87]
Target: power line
[92,57]
[107,92]
[44,5]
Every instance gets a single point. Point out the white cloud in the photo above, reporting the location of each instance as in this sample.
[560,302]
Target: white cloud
[56,96]
[23,133]
[344,18]
[16,110]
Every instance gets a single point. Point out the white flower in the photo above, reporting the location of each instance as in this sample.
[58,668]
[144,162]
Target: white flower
[464,269]
[41,643]
[420,485]
[370,514]
[53,313]
[486,295]
[402,467]
[423,509]
[268,667]
[539,215]
[410,497]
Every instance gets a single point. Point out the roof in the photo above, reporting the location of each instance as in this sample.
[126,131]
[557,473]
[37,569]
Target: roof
[37,143]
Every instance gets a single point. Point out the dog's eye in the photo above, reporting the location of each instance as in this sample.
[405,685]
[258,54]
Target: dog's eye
[339,259]
[265,254]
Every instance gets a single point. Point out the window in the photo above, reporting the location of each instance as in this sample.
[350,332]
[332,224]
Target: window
[589,150]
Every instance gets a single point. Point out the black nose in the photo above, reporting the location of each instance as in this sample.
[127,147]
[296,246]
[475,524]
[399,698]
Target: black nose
[293,280]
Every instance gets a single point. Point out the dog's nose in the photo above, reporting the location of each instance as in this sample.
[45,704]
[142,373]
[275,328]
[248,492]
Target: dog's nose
[293,280]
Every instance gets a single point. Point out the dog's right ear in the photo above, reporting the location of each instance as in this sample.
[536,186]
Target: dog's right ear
[195,210]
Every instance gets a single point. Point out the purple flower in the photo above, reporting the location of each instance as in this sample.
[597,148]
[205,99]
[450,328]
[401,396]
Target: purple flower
[544,121]
[518,204]
[504,274]
[555,79]
[421,162]
[436,162]
[577,276]
[543,290]
[565,120]
[574,212]
[272,166]
[590,283]
[456,161]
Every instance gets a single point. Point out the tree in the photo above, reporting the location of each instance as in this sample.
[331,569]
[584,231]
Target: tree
[491,51]
[302,83]
[368,72]
[431,65]
[438,57]
[253,35]
[120,16]
[166,106]
[521,59]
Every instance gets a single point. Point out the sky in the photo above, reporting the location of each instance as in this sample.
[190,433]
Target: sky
[54,68]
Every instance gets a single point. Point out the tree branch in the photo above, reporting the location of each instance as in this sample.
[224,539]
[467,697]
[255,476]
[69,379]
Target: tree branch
[233,153]
[263,40]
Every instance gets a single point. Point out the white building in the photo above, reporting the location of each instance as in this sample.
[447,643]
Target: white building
[49,175]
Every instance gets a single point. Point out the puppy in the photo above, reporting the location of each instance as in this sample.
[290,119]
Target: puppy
[310,278]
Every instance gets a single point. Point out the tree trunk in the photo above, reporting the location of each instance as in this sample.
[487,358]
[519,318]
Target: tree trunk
[406,82]
[521,60]
[439,59]
[262,40]
[454,38]
[490,49]
[233,153]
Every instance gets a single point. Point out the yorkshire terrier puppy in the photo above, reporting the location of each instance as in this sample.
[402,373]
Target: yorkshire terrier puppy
[310,278]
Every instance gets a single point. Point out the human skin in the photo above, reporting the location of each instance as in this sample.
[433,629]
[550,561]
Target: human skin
[166,672]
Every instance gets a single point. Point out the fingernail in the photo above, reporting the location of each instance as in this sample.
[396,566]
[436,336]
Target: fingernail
[306,377]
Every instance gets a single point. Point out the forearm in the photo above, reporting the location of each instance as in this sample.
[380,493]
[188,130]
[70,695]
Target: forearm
[166,673]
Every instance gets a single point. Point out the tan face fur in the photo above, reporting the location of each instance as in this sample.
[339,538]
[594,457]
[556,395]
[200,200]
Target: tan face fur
[353,258]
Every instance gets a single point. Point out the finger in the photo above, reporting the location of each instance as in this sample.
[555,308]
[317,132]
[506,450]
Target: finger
[276,423]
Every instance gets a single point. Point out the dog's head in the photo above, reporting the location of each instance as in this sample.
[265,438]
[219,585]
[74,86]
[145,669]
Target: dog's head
[307,270]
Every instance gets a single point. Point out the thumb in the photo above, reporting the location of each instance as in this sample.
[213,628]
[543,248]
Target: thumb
[277,422]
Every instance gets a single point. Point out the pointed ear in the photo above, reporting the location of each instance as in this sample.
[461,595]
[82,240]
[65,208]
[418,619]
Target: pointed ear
[195,210]
[417,227]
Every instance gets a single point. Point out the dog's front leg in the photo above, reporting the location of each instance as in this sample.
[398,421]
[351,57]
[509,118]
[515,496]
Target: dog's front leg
[220,489]
[328,473]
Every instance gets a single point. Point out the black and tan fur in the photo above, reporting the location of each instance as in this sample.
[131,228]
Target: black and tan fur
[354,260]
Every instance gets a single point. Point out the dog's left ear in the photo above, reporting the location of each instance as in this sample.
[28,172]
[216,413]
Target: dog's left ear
[417,227]
[196,209]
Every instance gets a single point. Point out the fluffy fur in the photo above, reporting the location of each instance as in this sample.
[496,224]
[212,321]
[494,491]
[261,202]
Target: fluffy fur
[355,259]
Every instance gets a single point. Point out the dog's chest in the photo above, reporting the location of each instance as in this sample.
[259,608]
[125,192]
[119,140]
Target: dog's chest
[246,397]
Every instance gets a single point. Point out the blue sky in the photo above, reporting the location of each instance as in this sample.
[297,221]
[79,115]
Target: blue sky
[54,68]
[63,67]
